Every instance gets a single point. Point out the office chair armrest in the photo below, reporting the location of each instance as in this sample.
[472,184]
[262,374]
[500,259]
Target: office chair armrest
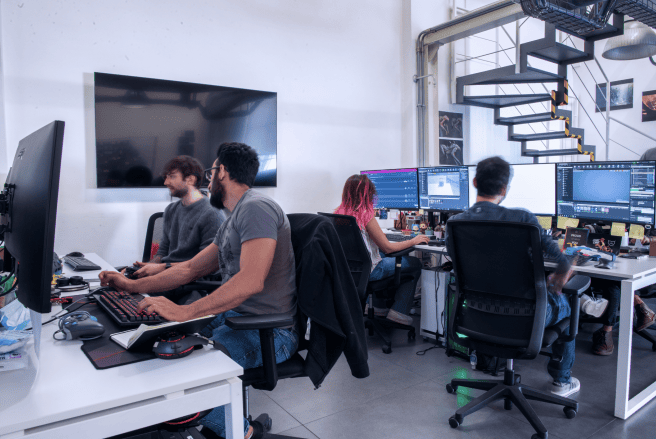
[577,285]
[574,288]
[202,285]
[400,253]
[265,324]
[265,321]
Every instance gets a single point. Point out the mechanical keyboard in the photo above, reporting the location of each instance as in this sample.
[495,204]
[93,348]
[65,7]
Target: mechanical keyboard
[122,307]
[397,237]
[80,263]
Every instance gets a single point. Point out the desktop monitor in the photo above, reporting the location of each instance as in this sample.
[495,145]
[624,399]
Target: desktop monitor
[396,188]
[444,188]
[532,187]
[607,191]
[32,187]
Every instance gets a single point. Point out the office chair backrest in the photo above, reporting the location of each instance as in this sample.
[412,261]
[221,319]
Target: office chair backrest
[154,234]
[501,293]
[354,248]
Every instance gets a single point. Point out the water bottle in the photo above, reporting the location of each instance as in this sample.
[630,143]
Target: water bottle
[473,359]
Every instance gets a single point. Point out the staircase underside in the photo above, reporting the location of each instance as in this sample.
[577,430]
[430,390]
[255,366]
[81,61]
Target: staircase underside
[500,101]
[560,53]
[507,75]
[532,118]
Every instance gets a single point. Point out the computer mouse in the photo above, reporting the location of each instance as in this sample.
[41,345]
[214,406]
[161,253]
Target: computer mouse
[129,272]
[76,254]
[174,345]
[605,263]
[81,325]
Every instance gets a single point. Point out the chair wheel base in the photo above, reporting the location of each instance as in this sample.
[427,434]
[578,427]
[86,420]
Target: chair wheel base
[539,436]
[451,389]
[569,412]
[387,349]
[453,422]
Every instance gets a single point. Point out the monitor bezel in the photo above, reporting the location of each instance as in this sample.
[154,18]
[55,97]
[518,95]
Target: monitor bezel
[417,191]
[597,220]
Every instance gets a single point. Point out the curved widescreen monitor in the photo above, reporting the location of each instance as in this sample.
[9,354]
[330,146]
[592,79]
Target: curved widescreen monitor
[444,188]
[532,187]
[607,191]
[396,188]
[143,123]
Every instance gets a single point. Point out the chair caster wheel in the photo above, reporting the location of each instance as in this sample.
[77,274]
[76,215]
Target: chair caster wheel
[518,379]
[653,348]
[412,336]
[451,388]
[569,412]
[539,436]
[387,349]
[453,422]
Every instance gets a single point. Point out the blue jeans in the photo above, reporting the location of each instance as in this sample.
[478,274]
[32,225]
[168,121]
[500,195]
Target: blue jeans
[244,348]
[557,309]
[406,292]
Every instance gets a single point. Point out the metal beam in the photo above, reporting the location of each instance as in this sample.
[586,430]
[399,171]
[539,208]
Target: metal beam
[479,20]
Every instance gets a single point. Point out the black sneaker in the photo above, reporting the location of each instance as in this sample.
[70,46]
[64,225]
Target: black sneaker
[602,342]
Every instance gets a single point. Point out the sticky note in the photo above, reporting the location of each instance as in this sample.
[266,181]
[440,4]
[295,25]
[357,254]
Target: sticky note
[617,229]
[564,222]
[545,222]
[636,231]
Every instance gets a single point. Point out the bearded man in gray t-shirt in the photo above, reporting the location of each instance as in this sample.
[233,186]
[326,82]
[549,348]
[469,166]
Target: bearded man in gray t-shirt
[254,253]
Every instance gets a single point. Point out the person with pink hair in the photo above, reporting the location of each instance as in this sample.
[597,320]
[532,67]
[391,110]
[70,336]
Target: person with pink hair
[358,201]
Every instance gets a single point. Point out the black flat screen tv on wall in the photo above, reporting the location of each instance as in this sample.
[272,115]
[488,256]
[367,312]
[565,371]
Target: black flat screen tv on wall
[143,123]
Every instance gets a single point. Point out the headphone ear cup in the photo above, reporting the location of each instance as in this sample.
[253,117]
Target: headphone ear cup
[63,282]
[76,280]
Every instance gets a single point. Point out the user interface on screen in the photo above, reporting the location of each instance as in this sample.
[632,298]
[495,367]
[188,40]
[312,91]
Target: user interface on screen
[396,188]
[444,188]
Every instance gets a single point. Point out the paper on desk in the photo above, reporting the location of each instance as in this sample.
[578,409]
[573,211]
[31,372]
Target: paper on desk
[545,222]
[618,229]
[636,231]
[564,222]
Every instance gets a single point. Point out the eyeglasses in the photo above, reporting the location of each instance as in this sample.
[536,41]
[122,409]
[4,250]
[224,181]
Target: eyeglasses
[208,173]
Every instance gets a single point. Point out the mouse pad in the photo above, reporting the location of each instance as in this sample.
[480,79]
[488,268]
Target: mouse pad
[104,353]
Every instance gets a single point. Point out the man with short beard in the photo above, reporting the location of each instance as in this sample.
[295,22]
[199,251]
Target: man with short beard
[190,224]
[254,254]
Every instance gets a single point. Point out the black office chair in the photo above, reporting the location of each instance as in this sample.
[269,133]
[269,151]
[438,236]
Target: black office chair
[500,309]
[266,377]
[360,264]
[154,234]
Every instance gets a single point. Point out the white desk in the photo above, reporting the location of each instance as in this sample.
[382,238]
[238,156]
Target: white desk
[88,275]
[633,275]
[71,399]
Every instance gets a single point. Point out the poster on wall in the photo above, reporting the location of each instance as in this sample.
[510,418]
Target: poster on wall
[621,95]
[649,106]
[451,125]
[450,152]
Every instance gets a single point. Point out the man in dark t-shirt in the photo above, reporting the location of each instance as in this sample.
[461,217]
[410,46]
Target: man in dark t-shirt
[254,253]
[492,182]
[190,224]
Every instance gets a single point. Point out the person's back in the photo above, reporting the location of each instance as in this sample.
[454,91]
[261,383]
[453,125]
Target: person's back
[650,154]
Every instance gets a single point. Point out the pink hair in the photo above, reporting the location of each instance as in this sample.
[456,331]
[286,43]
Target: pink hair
[358,199]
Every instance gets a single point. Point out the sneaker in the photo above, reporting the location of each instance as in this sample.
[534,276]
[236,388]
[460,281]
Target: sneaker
[566,389]
[378,312]
[602,342]
[397,317]
[645,317]
[593,306]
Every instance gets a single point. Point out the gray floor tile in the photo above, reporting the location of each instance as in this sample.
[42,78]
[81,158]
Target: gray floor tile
[420,411]
[300,432]
[432,364]
[261,403]
[640,425]
[341,390]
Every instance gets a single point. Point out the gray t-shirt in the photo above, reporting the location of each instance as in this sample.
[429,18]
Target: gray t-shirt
[258,216]
[188,229]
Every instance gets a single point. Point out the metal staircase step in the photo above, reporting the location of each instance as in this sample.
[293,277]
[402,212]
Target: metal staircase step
[507,75]
[527,118]
[561,52]
[551,135]
[550,152]
[499,101]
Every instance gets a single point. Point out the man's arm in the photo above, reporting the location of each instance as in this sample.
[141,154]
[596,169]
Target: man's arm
[204,263]
[254,264]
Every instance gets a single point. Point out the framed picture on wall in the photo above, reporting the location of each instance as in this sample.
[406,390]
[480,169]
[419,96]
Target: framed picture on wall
[648,106]
[621,95]
[451,125]
[450,152]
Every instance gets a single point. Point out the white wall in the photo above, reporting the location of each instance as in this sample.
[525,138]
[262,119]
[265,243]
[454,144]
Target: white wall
[336,67]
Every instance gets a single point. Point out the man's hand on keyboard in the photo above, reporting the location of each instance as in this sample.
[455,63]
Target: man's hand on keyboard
[115,280]
[420,239]
[165,308]
[148,269]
